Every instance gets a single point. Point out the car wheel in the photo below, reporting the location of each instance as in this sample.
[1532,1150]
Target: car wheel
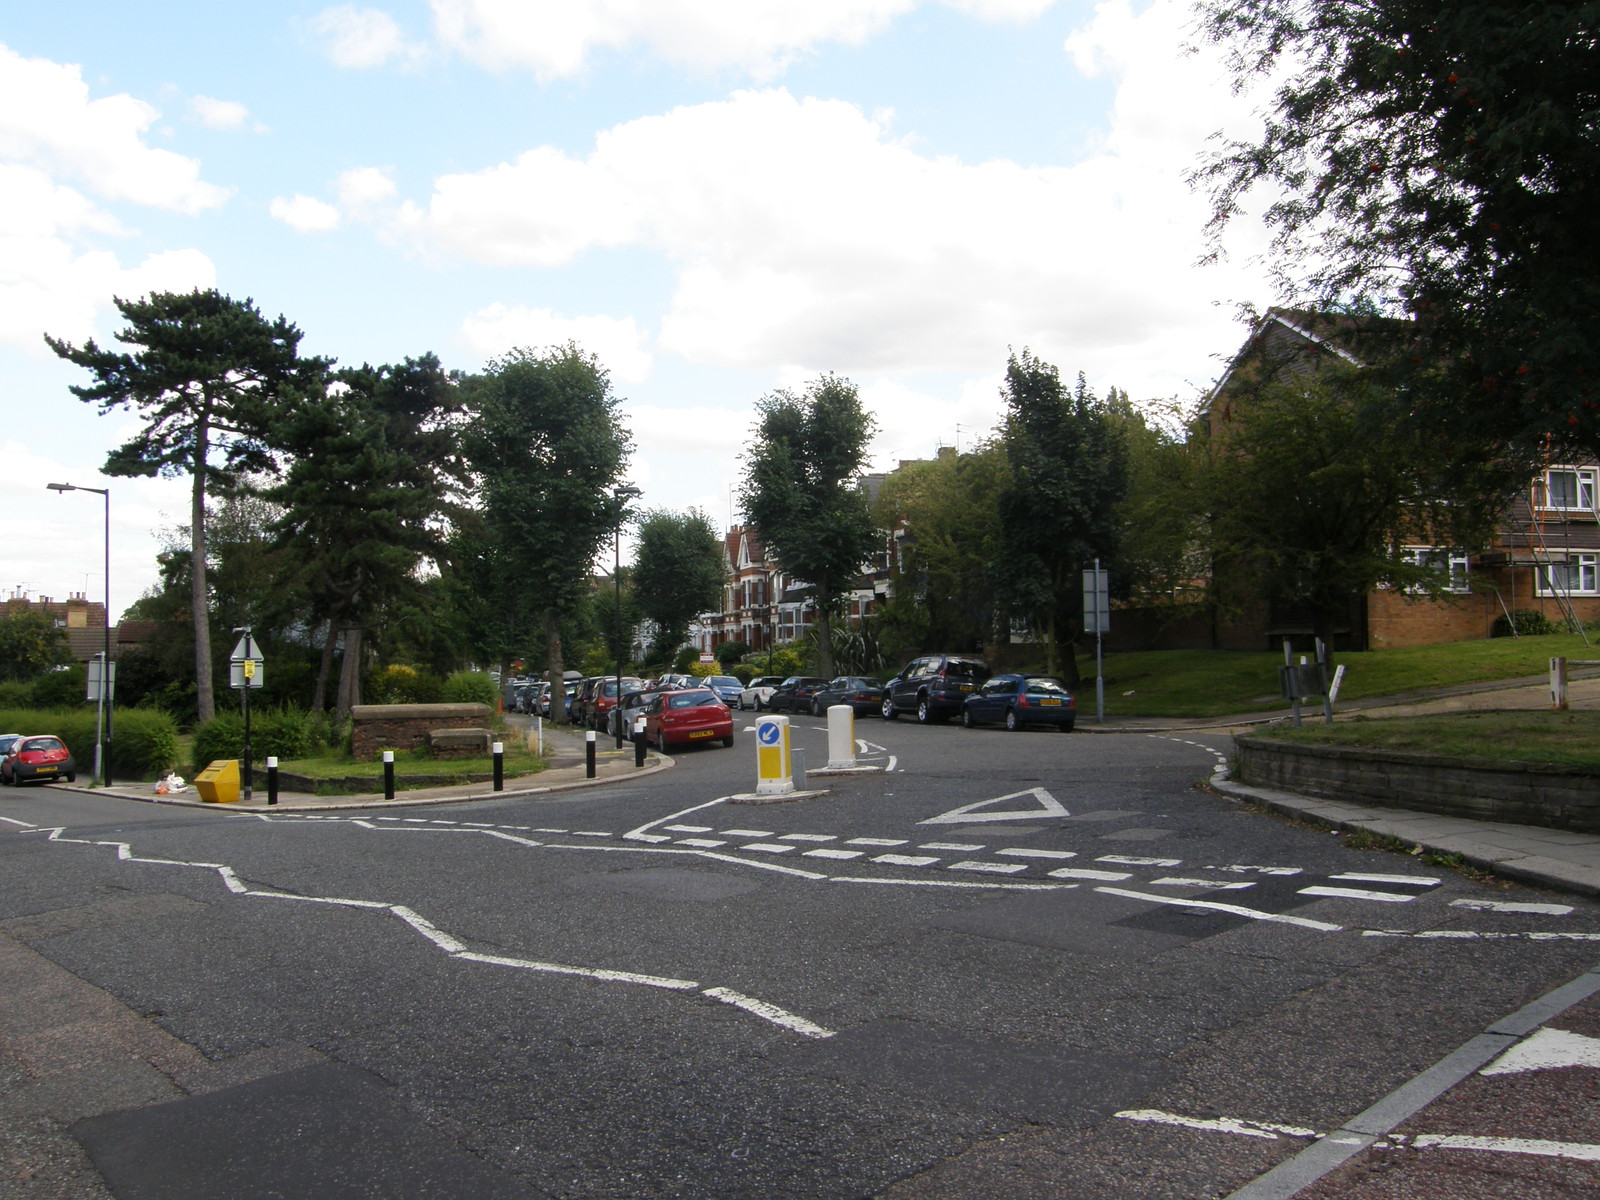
[966,719]
[728,741]
[1066,727]
[1011,720]
[816,708]
[72,777]
[889,713]
[924,712]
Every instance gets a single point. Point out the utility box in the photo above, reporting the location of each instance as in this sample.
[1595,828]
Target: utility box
[219,782]
[1303,681]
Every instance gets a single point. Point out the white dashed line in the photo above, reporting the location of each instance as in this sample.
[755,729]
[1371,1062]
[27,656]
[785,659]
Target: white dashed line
[1051,855]
[905,860]
[1123,860]
[748,833]
[687,828]
[1086,873]
[955,846]
[1506,906]
[1357,894]
[876,841]
[811,837]
[768,847]
[705,843]
[1214,884]
[838,854]
[1404,880]
[990,868]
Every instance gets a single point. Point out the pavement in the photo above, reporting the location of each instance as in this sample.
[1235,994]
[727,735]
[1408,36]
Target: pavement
[1549,858]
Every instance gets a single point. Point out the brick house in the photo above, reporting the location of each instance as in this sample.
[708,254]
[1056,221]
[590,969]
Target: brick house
[1545,556]
[81,620]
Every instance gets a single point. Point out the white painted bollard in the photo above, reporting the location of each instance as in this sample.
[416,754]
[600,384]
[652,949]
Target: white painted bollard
[774,774]
[1558,684]
[841,737]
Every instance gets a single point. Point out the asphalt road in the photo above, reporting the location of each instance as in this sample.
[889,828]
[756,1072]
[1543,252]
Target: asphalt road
[998,964]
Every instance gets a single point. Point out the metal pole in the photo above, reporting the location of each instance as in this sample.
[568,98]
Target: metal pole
[272,779]
[249,772]
[105,672]
[616,579]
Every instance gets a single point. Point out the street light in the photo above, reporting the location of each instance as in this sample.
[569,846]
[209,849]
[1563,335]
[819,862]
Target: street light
[621,495]
[102,748]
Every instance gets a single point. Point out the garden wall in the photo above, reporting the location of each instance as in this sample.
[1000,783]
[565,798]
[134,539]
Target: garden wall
[1552,797]
[380,727]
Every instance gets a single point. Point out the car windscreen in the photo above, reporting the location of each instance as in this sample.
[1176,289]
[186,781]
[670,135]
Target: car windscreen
[1047,687]
[967,666]
[723,681]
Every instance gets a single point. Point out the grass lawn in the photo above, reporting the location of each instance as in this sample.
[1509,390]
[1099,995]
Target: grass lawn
[1215,683]
[1569,739]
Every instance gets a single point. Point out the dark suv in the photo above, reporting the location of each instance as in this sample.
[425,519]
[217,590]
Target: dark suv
[933,686]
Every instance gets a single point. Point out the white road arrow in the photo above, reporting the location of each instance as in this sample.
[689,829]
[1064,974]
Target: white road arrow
[1046,806]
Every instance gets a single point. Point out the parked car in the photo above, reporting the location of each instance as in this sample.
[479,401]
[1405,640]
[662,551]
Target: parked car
[5,742]
[677,681]
[933,686]
[581,696]
[726,687]
[755,695]
[37,757]
[794,694]
[1017,701]
[685,716]
[604,699]
[632,702]
[862,695]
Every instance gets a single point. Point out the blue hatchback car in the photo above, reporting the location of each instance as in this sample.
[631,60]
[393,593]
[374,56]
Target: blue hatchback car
[1017,701]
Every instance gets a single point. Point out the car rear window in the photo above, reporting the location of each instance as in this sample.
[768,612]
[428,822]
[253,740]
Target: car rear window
[1052,687]
[967,666]
[692,699]
[44,743]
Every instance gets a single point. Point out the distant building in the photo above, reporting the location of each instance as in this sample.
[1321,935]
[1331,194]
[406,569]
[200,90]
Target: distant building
[82,620]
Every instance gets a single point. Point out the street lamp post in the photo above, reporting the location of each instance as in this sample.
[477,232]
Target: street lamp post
[621,495]
[102,749]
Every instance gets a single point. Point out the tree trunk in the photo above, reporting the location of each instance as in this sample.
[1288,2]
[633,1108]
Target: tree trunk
[554,668]
[199,590]
[330,644]
[350,672]
[824,641]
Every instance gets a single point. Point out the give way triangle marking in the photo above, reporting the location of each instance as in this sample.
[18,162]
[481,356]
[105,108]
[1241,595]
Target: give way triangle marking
[1046,805]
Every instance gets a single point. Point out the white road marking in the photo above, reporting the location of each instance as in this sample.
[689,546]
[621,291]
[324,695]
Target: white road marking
[990,868]
[810,837]
[1086,873]
[652,838]
[1545,1050]
[956,846]
[591,833]
[1357,894]
[687,828]
[1406,880]
[1505,906]
[706,843]
[1053,855]
[1240,869]
[1124,860]
[634,834]
[769,1012]
[1236,1125]
[1215,884]
[747,833]
[905,860]
[876,841]
[1577,1151]
[450,945]
[951,883]
[767,847]
[1045,805]
[831,853]
[1470,935]
[1232,909]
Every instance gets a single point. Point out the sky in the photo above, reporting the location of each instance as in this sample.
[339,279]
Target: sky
[717,198]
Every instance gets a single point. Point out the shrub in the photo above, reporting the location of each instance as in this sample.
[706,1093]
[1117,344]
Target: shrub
[1530,622]
[731,652]
[59,689]
[283,732]
[743,672]
[400,684]
[219,738]
[144,744]
[15,695]
[470,687]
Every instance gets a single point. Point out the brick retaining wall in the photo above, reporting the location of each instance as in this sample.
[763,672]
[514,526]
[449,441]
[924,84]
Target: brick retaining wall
[1521,794]
[380,727]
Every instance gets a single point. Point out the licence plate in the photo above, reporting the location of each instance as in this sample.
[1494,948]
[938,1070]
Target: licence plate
[44,770]
[702,733]
[1050,702]
[966,687]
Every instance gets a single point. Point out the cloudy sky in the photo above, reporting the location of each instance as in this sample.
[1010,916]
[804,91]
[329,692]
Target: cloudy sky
[716,197]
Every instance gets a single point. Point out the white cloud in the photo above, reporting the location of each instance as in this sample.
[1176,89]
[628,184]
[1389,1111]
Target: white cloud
[48,120]
[804,234]
[556,38]
[620,345]
[49,283]
[361,38]
[305,214]
[361,190]
[219,114]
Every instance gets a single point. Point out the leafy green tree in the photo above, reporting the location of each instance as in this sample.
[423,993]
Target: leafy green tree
[945,510]
[547,449]
[374,466]
[1163,561]
[681,556]
[1058,508]
[1314,496]
[802,492]
[208,375]
[1441,157]
[30,645]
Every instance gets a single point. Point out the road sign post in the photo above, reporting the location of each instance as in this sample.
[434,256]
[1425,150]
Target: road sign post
[1097,620]
[245,676]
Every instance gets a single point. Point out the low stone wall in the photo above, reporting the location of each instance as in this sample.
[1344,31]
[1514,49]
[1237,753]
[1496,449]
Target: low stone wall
[1552,797]
[380,727]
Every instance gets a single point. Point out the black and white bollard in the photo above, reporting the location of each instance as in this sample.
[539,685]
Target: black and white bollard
[588,754]
[388,774]
[638,742]
[272,779]
[499,749]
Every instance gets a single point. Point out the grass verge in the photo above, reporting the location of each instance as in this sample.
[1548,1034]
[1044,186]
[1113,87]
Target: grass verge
[1556,739]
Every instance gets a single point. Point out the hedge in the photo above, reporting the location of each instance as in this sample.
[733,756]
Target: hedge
[144,742]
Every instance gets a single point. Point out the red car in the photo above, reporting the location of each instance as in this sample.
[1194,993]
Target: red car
[38,756]
[687,716]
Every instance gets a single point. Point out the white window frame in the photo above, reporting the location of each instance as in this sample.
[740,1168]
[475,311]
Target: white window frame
[1585,486]
[1581,571]
[1455,563]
